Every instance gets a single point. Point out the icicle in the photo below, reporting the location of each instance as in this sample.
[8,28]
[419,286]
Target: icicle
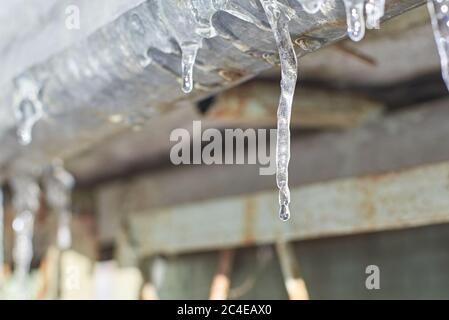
[28,108]
[189,52]
[279,24]
[311,6]
[194,24]
[355,19]
[439,13]
[375,10]
[193,19]
[2,239]
[26,203]
[59,184]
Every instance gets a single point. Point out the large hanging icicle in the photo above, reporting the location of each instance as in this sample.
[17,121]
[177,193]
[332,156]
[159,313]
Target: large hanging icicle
[439,14]
[59,184]
[355,19]
[279,20]
[26,203]
[27,107]
[375,10]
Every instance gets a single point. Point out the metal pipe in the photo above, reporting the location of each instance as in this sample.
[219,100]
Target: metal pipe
[130,70]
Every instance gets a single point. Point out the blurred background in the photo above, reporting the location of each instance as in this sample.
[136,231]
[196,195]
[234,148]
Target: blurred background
[369,170]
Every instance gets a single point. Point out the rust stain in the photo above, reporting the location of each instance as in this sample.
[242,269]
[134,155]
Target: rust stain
[231,105]
[248,102]
[356,54]
[248,222]
[44,270]
[367,204]
[231,75]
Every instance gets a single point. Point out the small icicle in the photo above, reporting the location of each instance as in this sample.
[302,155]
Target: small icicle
[279,23]
[59,184]
[27,107]
[439,14]
[355,19]
[193,24]
[375,10]
[311,6]
[189,53]
[26,122]
[2,239]
[26,203]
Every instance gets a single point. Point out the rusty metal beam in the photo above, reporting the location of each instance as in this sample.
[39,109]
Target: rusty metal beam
[404,139]
[410,198]
[105,76]
[255,104]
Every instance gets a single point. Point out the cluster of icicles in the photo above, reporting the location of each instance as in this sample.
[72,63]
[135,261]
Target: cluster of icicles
[195,24]
[26,192]
[278,16]
[198,17]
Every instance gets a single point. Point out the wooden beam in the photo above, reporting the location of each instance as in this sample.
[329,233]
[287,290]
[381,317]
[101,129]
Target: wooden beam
[410,198]
[296,287]
[149,292]
[222,281]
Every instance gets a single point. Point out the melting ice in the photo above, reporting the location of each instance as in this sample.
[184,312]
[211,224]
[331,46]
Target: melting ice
[439,13]
[59,184]
[193,24]
[279,20]
[355,16]
[189,53]
[355,19]
[27,107]
[26,203]
[374,11]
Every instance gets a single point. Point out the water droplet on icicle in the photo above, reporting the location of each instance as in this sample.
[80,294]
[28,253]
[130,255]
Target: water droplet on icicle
[375,10]
[193,24]
[27,107]
[311,6]
[439,14]
[289,68]
[284,212]
[26,203]
[59,185]
[189,53]
[355,19]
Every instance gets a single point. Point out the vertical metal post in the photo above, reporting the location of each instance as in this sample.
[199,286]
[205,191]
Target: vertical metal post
[221,283]
[296,287]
